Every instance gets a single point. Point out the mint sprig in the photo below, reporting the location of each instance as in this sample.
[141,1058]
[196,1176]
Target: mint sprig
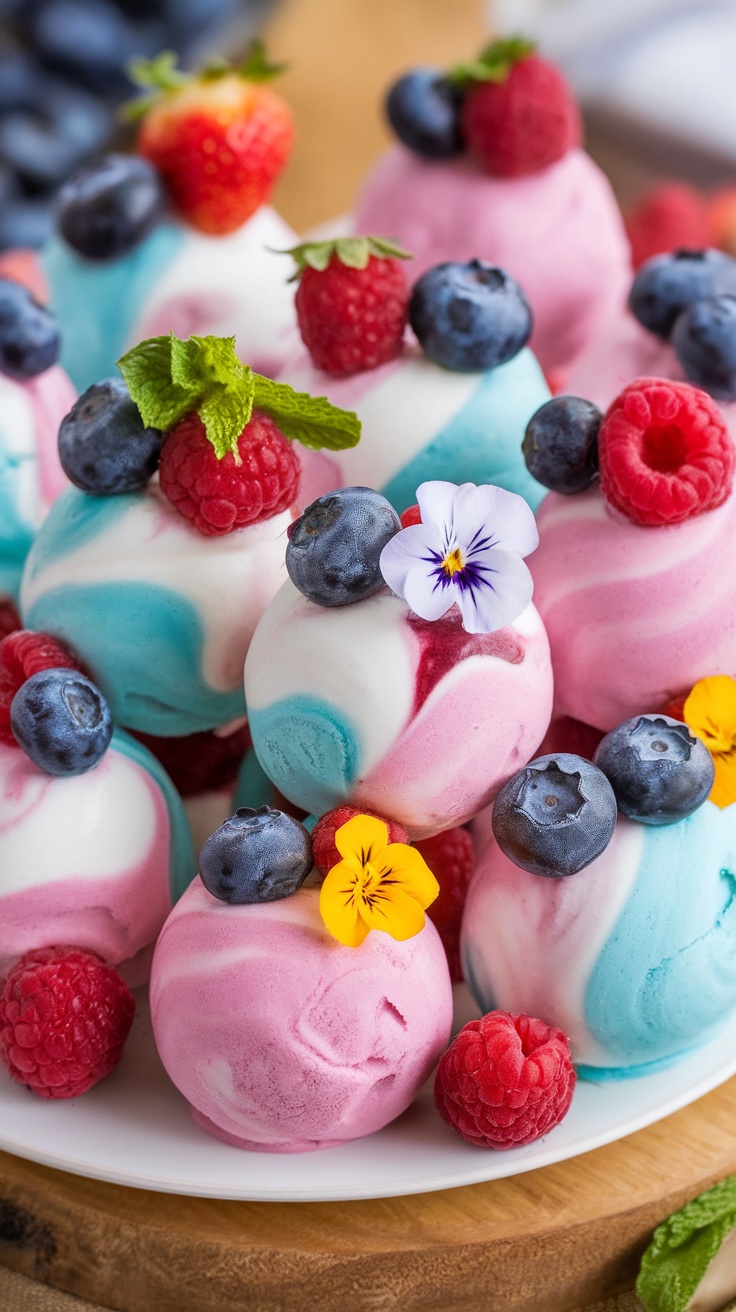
[493,64]
[353,252]
[683,1248]
[168,378]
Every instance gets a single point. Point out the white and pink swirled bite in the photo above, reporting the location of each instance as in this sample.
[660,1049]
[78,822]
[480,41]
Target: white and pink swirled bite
[287,1060]
[370,705]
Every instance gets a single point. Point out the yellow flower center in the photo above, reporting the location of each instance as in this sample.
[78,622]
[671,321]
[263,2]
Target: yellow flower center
[453,562]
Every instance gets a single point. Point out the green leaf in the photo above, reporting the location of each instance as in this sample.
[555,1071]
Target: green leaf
[353,252]
[159,74]
[201,362]
[312,420]
[224,412]
[493,64]
[147,373]
[256,67]
[683,1248]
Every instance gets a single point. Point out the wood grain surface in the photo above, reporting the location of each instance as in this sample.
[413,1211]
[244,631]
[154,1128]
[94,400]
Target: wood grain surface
[548,1241]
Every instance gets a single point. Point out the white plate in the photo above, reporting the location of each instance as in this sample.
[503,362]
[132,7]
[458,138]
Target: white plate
[135,1129]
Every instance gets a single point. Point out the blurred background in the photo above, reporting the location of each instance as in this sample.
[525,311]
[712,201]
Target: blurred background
[655,78]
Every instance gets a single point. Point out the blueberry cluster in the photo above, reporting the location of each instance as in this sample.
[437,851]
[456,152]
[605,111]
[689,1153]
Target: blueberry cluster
[688,297]
[560,444]
[258,855]
[334,549]
[62,77]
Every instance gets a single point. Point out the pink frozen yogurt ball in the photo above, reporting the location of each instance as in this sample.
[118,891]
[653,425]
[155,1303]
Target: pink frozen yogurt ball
[289,1057]
[559,232]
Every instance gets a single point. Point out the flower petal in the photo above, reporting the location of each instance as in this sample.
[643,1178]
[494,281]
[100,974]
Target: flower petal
[436,501]
[427,595]
[723,792]
[338,907]
[410,547]
[502,594]
[710,711]
[361,836]
[406,868]
[494,517]
[395,913]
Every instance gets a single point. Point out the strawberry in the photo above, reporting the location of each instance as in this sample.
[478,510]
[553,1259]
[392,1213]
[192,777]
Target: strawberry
[220,139]
[351,303]
[518,113]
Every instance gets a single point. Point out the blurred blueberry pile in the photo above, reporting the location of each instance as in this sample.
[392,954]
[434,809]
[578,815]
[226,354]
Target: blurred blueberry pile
[62,78]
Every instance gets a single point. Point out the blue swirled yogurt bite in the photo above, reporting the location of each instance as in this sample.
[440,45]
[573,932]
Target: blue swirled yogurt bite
[158,590]
[633,955]
[463,419]
[35,394]
[418,698]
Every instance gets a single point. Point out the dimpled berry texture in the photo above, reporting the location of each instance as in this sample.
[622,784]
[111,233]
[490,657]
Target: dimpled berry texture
[353,319]
[704,341]
[666,284]
[256,856]
[659,771]
[334,549]
[324,847]
[106,209]
[423,109]
[469,317]
[505,1080]
[61,721]
[521,124]
[29,337]
[64,1017]
[104,447]
[560,444]
[555,816]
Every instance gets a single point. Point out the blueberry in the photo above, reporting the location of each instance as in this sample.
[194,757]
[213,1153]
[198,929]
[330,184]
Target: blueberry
[29,337]
[555,816]
[24,222]
[704,340]
[61,721]
[256,856]
[90,39]
[560,444]
[423,109]
[666,284]
[49,141]
[104,447]
[470,316]
[659,771]
[189,20]
[110,206]
[18,80]
[334,548]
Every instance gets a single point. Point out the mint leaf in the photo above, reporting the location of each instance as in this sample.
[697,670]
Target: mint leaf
[312,420]
[224,412]
[683,1248]
[147,373]
[201,362]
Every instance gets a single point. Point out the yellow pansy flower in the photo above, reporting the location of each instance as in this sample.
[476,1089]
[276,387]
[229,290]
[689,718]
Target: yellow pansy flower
[710,711]
[377,885]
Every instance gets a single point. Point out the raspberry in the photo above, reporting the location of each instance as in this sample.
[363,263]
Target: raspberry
[324,850]
[665,453]
[64,1017]
[505,1080]
[219,496]
[23,653]
[566,734]
[668,216]
[522,124]
[9,617]
[451,859]
[353,319]
[200,762]
[412,515]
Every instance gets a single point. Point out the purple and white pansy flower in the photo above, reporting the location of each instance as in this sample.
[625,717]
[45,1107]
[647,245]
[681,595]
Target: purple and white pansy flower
[468,552]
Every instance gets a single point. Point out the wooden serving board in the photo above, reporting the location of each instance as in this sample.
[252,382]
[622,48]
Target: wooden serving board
[552,1240]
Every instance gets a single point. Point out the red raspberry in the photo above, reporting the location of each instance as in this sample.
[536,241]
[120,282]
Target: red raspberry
[200,762]
[23,653]
[505,1080]
[522,124]
[9,618]
[324,850]
[353,319]
[566,734]
[665,453]
[218,496]
[669,215]
[412,515]
[451,859]
[64,1017]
